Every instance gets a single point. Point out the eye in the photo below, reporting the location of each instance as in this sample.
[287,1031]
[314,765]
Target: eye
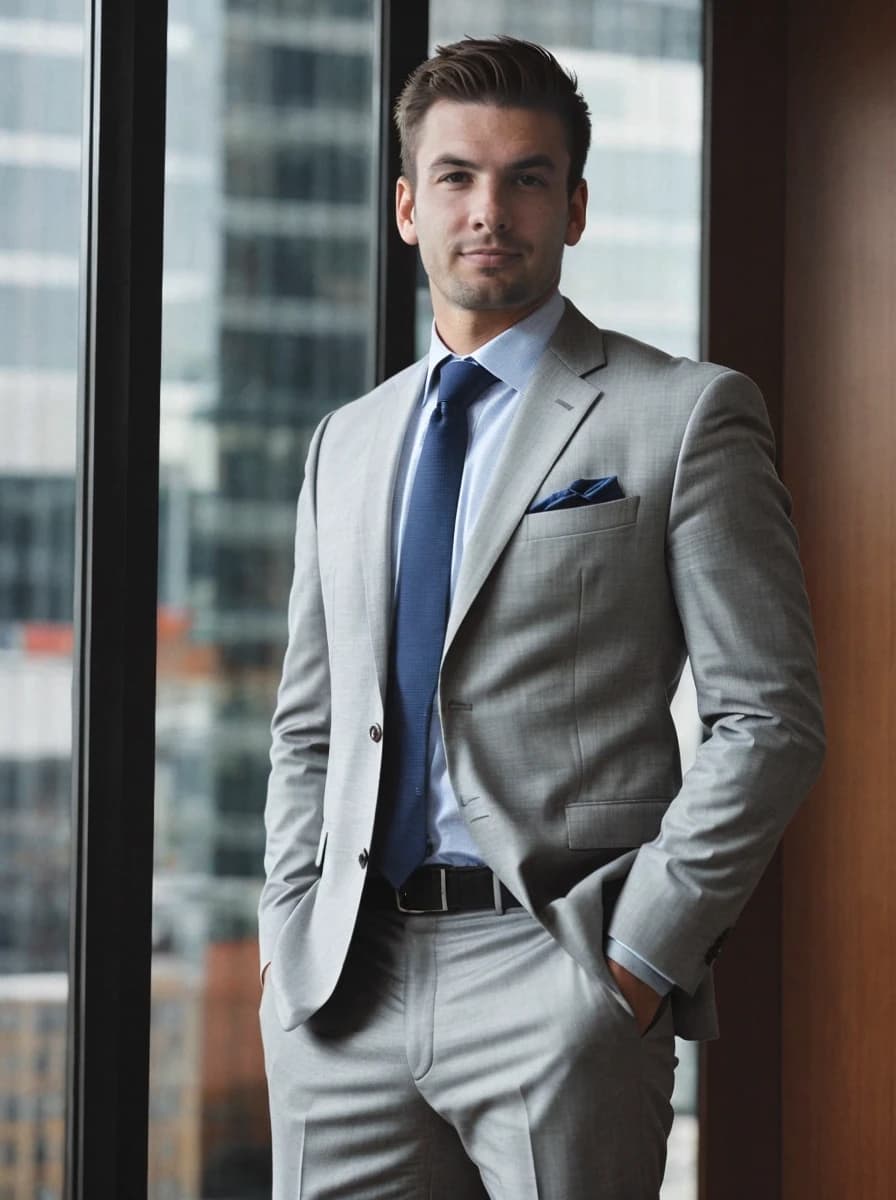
[454,177]
[530,181]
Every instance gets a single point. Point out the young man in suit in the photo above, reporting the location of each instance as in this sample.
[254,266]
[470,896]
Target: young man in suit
[491,900]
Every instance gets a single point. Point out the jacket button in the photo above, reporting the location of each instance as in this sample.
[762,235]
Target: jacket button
[376,733]
[363,858]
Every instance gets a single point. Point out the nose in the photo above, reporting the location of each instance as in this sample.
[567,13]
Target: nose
[489,212]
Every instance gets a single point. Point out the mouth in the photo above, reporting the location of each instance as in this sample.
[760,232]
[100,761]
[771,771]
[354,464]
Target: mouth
[489,256]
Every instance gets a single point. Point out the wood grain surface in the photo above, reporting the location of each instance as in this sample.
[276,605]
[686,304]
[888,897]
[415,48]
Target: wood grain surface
[838,454]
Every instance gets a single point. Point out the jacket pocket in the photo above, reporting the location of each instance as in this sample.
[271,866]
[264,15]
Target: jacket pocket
[587,518]
[613,824]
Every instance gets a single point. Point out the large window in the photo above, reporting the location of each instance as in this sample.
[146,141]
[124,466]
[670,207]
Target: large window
[40,156]
[267,326]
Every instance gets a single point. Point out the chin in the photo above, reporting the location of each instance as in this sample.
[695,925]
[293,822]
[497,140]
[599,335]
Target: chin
[484,298]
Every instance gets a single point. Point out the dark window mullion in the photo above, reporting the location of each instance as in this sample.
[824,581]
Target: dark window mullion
[115,598]
[403,43]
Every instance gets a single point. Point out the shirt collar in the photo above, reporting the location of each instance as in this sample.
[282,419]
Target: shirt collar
[512,355]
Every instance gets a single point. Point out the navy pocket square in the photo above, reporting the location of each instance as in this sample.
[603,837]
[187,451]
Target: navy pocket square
[580,493]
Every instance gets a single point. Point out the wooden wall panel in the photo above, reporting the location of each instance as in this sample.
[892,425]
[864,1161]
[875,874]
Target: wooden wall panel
[838,431]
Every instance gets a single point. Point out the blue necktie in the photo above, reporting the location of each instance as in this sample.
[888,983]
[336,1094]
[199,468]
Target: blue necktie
[421,617]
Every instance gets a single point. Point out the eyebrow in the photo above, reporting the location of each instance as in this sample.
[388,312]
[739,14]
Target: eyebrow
[544,161]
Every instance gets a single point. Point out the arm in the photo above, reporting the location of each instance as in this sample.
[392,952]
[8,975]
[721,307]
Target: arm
[300,731]
[735,573]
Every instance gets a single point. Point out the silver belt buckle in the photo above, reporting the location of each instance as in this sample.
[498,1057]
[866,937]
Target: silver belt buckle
[421,911]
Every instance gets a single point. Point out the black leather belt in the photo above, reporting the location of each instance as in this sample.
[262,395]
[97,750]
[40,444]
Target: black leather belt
[441,890]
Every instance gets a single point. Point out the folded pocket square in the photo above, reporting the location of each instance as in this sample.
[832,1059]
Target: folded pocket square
[580,493]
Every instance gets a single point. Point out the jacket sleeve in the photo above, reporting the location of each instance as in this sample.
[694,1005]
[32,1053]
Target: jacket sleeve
[733,563]
[300,730]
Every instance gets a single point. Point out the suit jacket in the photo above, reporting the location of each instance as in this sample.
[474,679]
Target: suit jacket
[566,638]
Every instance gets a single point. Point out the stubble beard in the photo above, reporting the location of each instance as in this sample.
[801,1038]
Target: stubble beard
[490,293]
[494,290]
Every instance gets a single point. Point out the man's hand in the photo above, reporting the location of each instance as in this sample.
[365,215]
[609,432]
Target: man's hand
[643,999]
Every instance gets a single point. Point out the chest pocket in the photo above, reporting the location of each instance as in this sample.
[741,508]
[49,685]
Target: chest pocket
[588,518]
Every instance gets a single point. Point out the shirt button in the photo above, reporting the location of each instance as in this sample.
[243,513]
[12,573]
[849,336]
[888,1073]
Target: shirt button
[376,733]
[363,858]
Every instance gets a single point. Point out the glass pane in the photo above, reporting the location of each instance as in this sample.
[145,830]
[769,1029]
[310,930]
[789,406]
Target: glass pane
[637,268]
[268,273]
[40,159]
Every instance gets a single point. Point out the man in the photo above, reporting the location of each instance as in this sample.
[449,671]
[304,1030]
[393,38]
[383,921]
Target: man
[490,898]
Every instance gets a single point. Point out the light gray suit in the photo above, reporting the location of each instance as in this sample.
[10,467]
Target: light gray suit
[566,639]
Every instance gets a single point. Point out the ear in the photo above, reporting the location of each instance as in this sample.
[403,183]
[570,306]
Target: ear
[404,211]
[578,203]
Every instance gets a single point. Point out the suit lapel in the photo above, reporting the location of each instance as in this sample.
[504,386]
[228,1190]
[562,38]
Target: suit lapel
[550,410]
[398,400]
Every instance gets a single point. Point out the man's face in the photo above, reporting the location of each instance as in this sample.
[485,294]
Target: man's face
[489,208]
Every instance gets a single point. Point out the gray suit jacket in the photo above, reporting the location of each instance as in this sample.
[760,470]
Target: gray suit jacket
[567,636]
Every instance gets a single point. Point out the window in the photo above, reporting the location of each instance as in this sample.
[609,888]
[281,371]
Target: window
[40,136]
[267,326]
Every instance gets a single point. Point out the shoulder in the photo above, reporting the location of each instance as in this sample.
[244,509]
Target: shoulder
[691,400]
[679,378]
[618,360]
[357,414]
[373,423]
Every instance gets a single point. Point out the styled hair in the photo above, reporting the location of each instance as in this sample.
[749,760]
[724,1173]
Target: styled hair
[502,71]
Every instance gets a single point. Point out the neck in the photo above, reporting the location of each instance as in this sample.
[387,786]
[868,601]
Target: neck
[464,330]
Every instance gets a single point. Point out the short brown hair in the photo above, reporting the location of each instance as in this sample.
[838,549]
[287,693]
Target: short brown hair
[503,71]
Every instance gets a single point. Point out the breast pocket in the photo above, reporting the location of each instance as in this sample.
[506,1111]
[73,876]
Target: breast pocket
[589,518]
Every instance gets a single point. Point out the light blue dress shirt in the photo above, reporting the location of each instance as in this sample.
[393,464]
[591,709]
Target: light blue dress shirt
[511,357]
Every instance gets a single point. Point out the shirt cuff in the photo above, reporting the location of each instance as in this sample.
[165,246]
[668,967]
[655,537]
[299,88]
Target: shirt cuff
[632,961]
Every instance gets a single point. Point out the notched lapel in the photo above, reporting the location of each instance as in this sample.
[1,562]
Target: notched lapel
[550,410]
[397,405]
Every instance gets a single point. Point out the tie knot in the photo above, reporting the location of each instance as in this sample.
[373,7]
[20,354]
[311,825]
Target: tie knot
[461,381]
